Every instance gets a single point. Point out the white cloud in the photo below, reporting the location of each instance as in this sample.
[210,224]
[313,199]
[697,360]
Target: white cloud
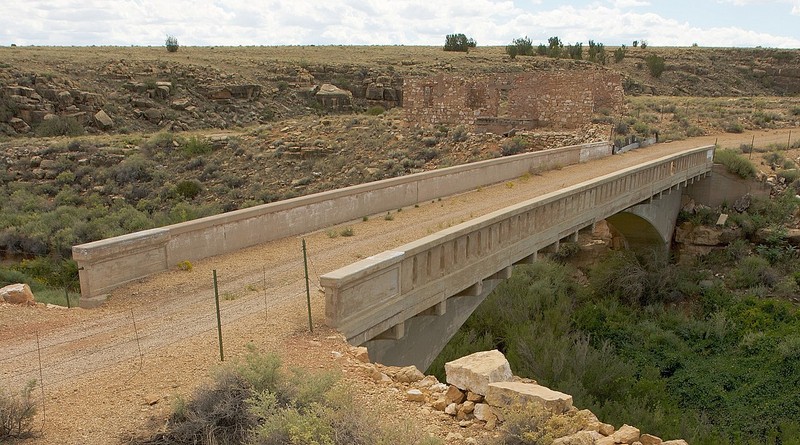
[411,22]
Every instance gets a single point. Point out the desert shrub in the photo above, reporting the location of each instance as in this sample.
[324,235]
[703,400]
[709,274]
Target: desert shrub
[188,189]
[171,43]
[733,127]
[520,47]
[460,134]
[458,42]
[59,126]
[347,231]
[16,412]
[619,54]
[161,140]
[512,146]
[133,169]
[575,51]
[376,110]
[753,271]
[735,163]
[566,250]
[195,146]
[789,175]
[554,47]
[655,64]
[636,279]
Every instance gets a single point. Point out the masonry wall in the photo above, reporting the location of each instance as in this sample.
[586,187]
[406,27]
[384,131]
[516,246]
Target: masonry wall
[562,99]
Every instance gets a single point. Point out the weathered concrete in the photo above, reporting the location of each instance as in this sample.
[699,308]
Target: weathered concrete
[111,262]
[378,295]
[649,225]
[725,187]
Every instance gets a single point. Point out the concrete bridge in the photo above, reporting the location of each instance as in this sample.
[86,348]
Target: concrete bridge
[405,304]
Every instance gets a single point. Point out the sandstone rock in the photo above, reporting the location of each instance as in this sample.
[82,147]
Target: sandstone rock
[440,404]
[103,120]
[454,395]
[17,294]
[468,407]
[476,371]
[19,125]
[153,114]
[675,442]
[605,441]
[451,409]
[484,412]
[649,439]
[626,434]
[606,429]
[361,354]
[426,382]
[454,437]
[474,397]
[504,394]
[579,438]
[415,395]
[180,104]
[408,374]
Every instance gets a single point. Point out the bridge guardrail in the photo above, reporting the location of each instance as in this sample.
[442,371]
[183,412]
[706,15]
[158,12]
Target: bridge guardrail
[371,296]
[108,263]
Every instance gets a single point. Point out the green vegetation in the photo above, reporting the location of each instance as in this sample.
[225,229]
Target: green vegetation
[458,42]
[16,412]
[619,54]
[59,126]
[735,163]
[376,110]
[520,47]
[655,64]
[171,43]
[253,401]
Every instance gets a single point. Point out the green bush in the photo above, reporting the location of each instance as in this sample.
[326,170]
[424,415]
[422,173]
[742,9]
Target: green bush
[458,42]
[619,54]
[195,146]
[597,52]
[512,146]
[376,110]
[17,412]
[188,189]
[520,47]
[59,126]
[171,43]
[733,127]
[735,163]
[655,64]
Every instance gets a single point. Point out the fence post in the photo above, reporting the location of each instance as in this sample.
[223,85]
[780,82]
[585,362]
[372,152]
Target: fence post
[219,321]
[308,291]
[66,294]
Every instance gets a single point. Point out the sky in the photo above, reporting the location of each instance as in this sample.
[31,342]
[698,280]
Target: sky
[719,23]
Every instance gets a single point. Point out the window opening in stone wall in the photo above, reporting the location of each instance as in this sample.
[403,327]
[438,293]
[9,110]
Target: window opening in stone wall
[476,98]
[502,105]
[427,96]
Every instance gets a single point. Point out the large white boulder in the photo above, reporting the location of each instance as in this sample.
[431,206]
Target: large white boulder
[476,371]
[17,294]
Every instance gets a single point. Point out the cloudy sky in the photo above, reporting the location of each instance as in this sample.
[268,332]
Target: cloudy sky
[745,23]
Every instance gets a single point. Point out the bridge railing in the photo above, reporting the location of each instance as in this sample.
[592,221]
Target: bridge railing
[108,263]
[375,294]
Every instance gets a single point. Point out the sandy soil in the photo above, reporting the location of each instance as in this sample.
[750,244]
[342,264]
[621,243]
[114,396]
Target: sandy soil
[113,371]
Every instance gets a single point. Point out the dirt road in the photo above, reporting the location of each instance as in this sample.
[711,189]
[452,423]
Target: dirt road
[114,370]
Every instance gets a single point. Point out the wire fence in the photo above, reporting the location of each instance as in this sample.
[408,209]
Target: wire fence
[127,337]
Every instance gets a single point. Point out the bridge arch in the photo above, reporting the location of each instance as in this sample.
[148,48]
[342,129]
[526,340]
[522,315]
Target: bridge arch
[650,225]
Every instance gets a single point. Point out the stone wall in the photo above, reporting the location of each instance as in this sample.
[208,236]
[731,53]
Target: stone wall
[564,99]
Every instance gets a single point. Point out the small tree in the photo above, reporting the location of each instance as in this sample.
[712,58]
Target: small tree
[554,47]
[171,43]
[458,42]
[635,43]
[521,47]
[655,64]
[619,54]
[643,44]
[597,52]
[575,51]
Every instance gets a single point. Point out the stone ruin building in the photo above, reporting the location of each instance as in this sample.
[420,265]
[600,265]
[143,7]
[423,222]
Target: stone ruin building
[499,102]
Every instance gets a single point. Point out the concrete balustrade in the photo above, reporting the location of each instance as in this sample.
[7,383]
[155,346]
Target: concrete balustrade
[374,297]
[108,263]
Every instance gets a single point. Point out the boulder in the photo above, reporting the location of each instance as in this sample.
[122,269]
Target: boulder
[626,434]
[675,442]
[103,120]
[649,439]
[19,125]
[408,374]
[180,104]
[17,294]
[476,371]
[502,394]
[484,412]
[415,395]
[454,395]
[579,438]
